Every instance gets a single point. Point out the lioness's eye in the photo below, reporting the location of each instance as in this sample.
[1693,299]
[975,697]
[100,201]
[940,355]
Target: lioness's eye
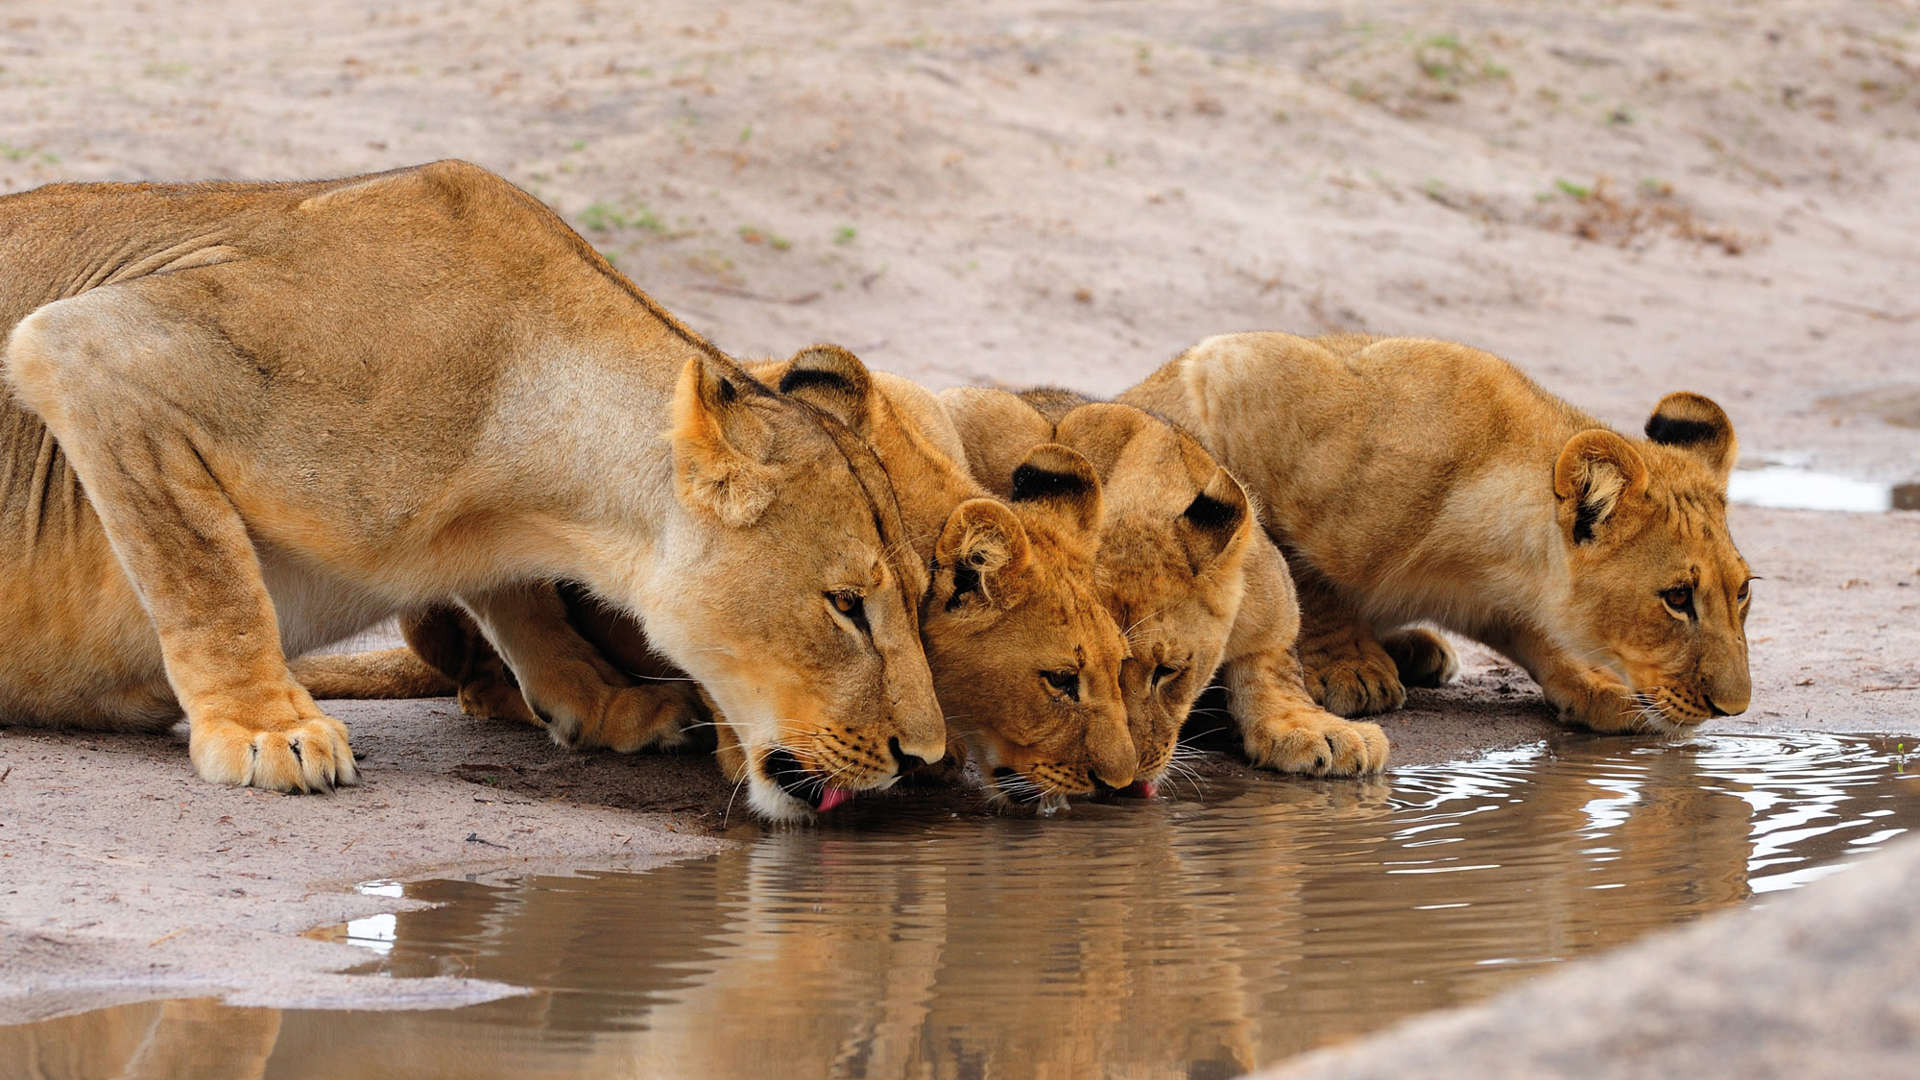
[1746,589]
[1163,673]
[1066,682]
[1679,598]
[852,605]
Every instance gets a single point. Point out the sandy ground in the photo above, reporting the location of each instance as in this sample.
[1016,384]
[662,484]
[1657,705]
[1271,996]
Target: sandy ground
[1625,199]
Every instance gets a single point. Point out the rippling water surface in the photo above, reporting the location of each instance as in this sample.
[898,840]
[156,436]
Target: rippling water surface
[1203,935]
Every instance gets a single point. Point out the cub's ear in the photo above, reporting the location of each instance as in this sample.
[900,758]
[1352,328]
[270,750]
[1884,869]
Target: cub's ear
[720,444]
[1600,479]
[1695,424]
[1101,432]
[986,546]
[832,380]
[1062,482]
[1214,521]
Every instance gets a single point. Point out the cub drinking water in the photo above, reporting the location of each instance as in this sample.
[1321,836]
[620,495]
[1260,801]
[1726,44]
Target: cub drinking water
[1185,569]
[1414,480]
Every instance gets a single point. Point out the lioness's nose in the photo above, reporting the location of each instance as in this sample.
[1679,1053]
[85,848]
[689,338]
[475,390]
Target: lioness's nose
[904,760]
[916,752]
[1731,707]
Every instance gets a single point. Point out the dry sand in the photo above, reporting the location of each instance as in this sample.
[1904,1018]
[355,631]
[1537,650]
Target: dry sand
[1625,199]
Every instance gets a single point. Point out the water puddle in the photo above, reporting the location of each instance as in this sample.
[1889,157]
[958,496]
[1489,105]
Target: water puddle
[1190,937]
[1789,487]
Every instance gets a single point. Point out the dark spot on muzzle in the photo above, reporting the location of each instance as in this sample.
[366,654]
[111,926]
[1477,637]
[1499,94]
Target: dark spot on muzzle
[794,778]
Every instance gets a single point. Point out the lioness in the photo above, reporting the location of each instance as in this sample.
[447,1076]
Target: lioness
[1411,480]
[247,418]
[1183,569]
[1026,659]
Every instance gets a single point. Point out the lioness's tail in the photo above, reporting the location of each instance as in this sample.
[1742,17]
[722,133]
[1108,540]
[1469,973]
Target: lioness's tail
[387,673]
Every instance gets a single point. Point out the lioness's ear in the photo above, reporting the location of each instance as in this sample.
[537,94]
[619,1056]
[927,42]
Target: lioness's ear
[1060,480]
[1695,424]
[832,380]
[985,544]
[1211,523]
[1599,478]
[720,447]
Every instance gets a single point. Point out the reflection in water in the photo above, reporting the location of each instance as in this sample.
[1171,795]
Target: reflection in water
[1185,938]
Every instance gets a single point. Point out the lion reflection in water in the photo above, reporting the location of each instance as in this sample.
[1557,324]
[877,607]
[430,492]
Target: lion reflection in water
[1138,945]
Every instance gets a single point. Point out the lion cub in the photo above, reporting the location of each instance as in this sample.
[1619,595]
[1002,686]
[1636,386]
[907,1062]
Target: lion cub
[1410,480]
[1184,570]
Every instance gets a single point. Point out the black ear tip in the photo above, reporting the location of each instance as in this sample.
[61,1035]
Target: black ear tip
[801,378]
[1207,512]
[1671,430]
[1031,481]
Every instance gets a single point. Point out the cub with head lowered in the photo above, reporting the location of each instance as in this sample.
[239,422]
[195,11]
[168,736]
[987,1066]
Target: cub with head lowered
[1026,660]
[1411,480]
[1186,572]
[241,420]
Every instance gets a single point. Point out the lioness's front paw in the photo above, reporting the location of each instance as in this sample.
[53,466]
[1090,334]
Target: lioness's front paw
[619,718]
[1317,744]
[640,716]
[1422,657]
[1357,680]
[310,756]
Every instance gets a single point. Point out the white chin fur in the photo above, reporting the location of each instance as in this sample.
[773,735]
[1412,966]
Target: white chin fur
[772,804]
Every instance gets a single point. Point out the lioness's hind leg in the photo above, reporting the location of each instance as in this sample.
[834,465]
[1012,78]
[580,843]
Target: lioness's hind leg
[1422,656]
[384,674]
[446,639]
[110,398]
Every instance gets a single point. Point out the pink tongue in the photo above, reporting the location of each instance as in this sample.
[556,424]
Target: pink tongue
[1144,789]
[833,797]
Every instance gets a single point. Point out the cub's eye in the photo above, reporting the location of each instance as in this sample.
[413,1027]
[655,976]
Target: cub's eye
[1066,682]
[852,605]
[1679,598]
[1164,672]
[1746,590]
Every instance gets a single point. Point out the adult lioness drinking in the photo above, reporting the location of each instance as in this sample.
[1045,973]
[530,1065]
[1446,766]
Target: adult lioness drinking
[1410,479]
[246,416]
[1026,659]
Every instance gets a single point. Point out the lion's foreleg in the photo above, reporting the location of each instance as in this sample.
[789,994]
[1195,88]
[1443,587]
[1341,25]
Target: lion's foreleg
[1266,686]
[1583,695]
[110,398]
[1346,669]
[1284,730]
[583,699]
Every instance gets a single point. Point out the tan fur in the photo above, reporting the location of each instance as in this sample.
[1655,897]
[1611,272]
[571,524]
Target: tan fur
[296,408]
[1035,610]
[1413,480]
[1200,593]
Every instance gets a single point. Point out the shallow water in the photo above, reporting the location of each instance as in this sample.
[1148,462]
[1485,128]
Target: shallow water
[1789,487]
[1195,936]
